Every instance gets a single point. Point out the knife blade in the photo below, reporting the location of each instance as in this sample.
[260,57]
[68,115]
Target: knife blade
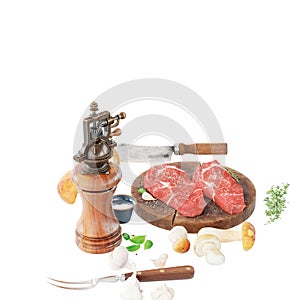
[137,153]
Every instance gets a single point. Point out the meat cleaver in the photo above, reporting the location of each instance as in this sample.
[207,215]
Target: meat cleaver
[135,153]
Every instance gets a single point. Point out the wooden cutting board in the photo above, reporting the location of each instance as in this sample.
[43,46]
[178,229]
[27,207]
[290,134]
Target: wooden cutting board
[159,214]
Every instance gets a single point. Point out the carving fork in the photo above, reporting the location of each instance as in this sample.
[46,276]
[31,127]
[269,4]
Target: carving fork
[161,274]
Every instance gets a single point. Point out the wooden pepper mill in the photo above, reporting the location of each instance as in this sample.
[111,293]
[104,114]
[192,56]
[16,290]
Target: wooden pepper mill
[96,179]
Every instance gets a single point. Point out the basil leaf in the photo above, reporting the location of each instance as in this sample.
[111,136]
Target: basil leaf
[133,248]
[148,244]
[141,190]
[126,236]
[138,239]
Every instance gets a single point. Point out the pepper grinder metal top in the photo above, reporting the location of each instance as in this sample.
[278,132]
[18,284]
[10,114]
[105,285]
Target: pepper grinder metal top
[98,145]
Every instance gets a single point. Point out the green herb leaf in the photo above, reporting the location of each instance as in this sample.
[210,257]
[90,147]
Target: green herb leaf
[133,248]
[138,239]
[148,244]
[141,190]
[275,201]
[232,174]
[126,236]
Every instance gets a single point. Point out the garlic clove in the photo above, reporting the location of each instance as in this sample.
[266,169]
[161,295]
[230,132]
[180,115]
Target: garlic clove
[118,258]
[130,289]
[130,265]
[160,261]
[163,292]
[147,196]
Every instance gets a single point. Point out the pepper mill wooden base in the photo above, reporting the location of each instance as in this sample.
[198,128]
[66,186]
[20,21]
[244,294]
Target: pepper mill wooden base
[98,245]
[97,230]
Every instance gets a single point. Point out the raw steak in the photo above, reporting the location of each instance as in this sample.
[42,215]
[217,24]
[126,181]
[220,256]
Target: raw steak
[218,185]
[195,205]
[174,187]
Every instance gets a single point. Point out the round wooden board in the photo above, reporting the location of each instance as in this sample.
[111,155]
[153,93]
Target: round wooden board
[159,214]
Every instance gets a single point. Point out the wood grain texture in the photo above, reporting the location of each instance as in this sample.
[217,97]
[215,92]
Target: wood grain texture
[159,214]
[97,230]
[203,148]
[161,274]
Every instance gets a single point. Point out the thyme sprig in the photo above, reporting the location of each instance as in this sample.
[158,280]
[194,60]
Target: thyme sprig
[275,201]
[232,174]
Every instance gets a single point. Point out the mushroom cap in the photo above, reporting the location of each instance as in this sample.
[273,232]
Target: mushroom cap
[182,245]
[248,235]
[177,233]
[205,239]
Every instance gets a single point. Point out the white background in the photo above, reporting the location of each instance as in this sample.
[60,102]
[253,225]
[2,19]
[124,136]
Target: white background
[241,57]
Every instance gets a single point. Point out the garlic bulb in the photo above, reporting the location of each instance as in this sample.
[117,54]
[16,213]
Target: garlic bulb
[118,258]
[160,261]
[177,233]
[163,292]
[130,290]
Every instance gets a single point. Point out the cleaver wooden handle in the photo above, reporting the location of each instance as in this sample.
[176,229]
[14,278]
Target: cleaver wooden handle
[161,274]
[203,148]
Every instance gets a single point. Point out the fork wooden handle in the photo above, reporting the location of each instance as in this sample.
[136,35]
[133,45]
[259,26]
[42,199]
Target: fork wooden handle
[204,148]
[161,274]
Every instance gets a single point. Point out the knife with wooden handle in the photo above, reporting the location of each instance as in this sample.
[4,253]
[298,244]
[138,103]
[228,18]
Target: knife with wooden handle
[136,153]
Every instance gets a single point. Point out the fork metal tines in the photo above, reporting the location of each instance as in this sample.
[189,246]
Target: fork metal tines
[73,285]
[85,284]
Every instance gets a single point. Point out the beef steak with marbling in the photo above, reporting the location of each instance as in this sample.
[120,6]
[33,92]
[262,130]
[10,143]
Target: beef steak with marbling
[218,185]
[174,187]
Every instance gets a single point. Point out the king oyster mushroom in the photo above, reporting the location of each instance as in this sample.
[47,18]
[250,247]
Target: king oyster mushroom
[246,234]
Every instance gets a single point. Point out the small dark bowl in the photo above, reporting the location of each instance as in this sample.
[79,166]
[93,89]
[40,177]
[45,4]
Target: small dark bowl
[123,206]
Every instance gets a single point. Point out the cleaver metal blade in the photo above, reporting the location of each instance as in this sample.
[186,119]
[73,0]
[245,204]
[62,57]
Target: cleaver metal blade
[135,153]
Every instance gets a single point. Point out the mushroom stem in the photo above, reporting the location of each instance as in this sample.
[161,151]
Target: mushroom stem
[209,245]
[246,234]
[224,235]
[212,254]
